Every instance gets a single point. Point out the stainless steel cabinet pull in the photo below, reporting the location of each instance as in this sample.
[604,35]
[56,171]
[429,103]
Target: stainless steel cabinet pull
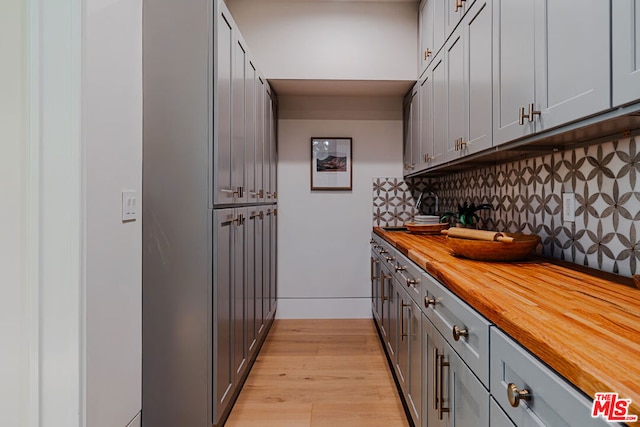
[515,396]
[399,267]
[412,282]
[457,333]
[435,378]
[522,116]
[429,301]
[383,298]
[389,258]
[383,251]
[458,5]
[442,363]
[402,306]
[532,112]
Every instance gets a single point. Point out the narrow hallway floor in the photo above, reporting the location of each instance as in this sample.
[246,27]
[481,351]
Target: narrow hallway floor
[320,373]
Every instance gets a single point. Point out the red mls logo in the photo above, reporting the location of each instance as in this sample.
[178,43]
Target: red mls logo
[611,408]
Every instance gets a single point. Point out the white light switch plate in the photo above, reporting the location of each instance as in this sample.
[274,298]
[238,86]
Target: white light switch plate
[569,207]
[129,205]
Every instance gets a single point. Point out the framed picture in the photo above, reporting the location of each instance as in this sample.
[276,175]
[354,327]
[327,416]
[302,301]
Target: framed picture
[331,164]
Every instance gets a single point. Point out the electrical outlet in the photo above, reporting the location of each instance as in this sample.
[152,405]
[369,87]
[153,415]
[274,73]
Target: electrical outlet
[129,205]
[569,207]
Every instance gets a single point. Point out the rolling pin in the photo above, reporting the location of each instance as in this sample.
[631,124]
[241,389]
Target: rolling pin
[469,233]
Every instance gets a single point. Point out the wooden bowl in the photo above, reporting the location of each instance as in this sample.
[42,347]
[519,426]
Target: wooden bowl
[426,228]
[483,250]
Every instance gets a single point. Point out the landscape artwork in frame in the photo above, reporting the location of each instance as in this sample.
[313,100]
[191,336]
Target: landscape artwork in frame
[331,164]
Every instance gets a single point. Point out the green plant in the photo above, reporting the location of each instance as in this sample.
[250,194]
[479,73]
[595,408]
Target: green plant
[466,214]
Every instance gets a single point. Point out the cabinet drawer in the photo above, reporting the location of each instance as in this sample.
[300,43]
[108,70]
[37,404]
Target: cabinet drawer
[409,275]
[553,402]
[450,315]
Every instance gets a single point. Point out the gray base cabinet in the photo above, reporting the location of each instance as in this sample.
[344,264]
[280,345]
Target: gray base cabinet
[455,397]
[453,367]
[549,400]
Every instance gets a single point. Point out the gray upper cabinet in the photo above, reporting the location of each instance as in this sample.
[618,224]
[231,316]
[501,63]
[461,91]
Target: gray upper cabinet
[251,88]
[238,120]
[513,67]
[477,31]
[439,108]
[425,93]
[411,141]
[545,74]
[454,80]
[570,84]
[261,92]
[223,191]
[626,51]
[431,31]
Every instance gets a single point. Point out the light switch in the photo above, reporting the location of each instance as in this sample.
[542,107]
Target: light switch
[569,207]
[129,205]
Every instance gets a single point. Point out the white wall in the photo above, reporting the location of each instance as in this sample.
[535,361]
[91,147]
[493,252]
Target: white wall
[113,163]
[349,40]
[13,138]
[323,237]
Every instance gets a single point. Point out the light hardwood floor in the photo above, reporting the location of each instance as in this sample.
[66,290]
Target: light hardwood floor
[320,373]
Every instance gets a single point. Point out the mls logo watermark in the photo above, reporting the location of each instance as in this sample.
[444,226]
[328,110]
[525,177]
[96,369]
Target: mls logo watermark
[612,408]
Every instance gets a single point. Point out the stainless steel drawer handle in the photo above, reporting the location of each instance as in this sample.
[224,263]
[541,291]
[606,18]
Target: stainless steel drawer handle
[412,282]
[399,267]
[457,333]
[389,258]
[429,301]
[515,396]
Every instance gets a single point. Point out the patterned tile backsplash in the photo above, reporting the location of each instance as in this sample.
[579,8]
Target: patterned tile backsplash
[527,197]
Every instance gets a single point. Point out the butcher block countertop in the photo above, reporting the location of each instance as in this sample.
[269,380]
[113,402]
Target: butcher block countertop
[583,323]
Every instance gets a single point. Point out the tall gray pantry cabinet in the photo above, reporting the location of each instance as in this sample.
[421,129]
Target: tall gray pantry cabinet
[210,212]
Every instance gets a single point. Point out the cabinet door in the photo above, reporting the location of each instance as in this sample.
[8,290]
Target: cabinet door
[415,375]
[406,134]
[240,348]
[253,277]
[440,8]
[415,128]
[268,152]
[223,240]
[273,147]
[513,67]
[403,308]
[376,292]
[626,51]
[260,320]
[456,107]
[273,277]
[440,108]
[260,130]
[250,129]
[391,313]
[456,396]
[426,118]
[238,121]
[266,264]
[223,192]
[570,82]
[425,34]
[454,9]
[478,77]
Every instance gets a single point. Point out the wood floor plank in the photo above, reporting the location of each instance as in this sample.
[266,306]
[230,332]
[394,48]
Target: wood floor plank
[317,373]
